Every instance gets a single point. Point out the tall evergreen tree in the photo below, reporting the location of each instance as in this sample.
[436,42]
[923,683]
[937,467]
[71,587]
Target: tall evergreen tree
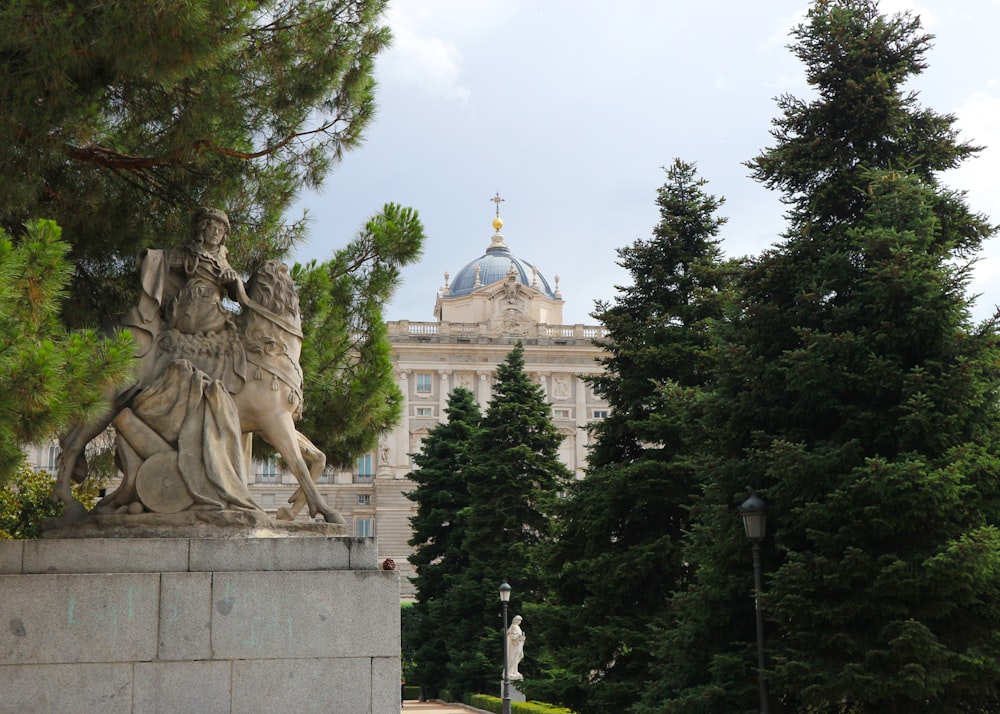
[514,475]
[857,62]
[861,402]
[617,557]
[442,493]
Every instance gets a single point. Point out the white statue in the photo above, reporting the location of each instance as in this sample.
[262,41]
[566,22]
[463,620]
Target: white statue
[515,648]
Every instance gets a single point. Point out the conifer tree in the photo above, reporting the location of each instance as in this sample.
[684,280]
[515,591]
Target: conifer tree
[442,493]
[121,118]
[617,557]
[48,375]
[350,394]
[860,401]
[514,476]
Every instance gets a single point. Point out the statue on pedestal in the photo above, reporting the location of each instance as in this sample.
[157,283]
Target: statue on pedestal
[208,375]
[515,648]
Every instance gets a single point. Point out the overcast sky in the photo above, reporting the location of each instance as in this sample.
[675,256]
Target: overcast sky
[570,109]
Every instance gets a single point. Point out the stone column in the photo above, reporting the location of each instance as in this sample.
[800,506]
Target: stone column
[401,434]
[580,388]
[443,390]
[483,391]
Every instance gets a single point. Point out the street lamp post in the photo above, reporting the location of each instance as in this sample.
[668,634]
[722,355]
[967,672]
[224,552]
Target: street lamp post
[754,515]
[504,598]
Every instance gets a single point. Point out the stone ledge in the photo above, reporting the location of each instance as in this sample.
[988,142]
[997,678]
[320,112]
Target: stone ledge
[188,524]
[173,555]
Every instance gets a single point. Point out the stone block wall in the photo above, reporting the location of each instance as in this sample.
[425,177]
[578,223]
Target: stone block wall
[198,625]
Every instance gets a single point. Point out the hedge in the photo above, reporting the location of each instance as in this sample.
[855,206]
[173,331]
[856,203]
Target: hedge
[411,692]
[495,704]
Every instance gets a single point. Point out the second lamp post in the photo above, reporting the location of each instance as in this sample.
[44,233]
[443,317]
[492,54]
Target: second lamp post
[505,598]
[754,515]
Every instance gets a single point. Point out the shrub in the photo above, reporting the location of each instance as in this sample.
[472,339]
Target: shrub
[495,704]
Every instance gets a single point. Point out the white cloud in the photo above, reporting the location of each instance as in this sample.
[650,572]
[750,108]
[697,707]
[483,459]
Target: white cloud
[927,18]
[978,120]
[781,36]
[429,63]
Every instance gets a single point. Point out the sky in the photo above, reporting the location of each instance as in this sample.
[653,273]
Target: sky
[570,109]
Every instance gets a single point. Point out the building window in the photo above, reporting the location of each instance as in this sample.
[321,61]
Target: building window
[53,458]
[423,383]
[364,499]
[364,473]
[600,414]
[561,413]
[364,527]
[425,411]
[267,471]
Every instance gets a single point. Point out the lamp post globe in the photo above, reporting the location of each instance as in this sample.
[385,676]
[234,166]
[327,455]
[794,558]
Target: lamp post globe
[754,515]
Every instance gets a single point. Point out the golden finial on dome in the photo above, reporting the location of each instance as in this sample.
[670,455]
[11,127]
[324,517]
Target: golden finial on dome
[497,222]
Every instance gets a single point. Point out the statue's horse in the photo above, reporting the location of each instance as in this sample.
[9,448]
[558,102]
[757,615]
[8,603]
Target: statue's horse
[268,403]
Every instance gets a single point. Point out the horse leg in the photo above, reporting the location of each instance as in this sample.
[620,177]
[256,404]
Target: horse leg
[316,460]
[72,445]
[287,444]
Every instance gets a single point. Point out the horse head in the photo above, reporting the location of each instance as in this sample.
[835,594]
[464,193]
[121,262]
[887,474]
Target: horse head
[271,287]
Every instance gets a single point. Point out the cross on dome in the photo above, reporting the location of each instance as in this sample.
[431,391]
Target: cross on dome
[498,221]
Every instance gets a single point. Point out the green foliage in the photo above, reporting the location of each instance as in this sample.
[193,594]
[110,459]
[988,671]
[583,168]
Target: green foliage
[857,398]
[495,704]
[441,494]
[618,557]
[120,118]
[857,61]
[411,692]
[484,510]
[409,618]
[48,376]
[514,477]
[350,394]
[26,500]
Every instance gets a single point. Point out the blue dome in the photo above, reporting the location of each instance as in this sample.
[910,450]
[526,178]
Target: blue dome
[494,266]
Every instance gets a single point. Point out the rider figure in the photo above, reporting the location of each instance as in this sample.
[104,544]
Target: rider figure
[204,274]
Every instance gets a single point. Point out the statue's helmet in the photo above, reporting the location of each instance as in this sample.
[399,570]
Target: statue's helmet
[215,214]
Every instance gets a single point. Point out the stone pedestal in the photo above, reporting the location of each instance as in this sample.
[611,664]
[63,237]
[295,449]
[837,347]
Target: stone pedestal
[516,695]
[181,625]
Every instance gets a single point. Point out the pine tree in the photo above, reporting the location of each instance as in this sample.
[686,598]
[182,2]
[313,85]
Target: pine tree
[617,557]
[350,394]
[861,402]
[514,477]
[48,375]
[442,493]
[120,118]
